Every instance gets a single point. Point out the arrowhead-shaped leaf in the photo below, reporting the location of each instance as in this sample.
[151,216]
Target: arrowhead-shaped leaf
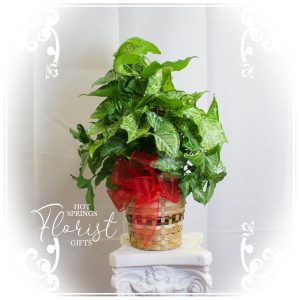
[110,76]
[168,164]
[165,134]
[130,124]
[137,46]
[114,146]
[179,64]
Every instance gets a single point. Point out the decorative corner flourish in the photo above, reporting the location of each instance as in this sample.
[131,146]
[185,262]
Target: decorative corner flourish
[44,268]
[42,31]
[257,32]
[255,266]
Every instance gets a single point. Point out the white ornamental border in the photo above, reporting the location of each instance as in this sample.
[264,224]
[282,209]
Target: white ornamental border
[44,32]
[44,268]
[258,32]
[255,266]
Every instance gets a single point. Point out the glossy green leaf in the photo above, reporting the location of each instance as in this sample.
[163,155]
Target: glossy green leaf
[195,114]
[191,99]
[204,195]
[168,164]
[80,134]
[167,84]
[211,129]
[130,124]
[122,63]
[154,84]
[135,86]
[94,146]
[95,128]
[109,90]
[106,169]
[179,64]
[190,135]
[165,134]
[213,111]
[110,76]
[83,183]
[197,159]
[163,101]
[113,146]
[151,69]
[188,183]
[212,133]
[137,46]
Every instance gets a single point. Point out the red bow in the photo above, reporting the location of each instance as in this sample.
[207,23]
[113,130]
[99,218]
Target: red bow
[138,181]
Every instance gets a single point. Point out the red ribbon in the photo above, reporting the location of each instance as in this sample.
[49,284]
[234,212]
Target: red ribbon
[138,181]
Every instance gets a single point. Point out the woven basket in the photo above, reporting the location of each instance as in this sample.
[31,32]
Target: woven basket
[168,231]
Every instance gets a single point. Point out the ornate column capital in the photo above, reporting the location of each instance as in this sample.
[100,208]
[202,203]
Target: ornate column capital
[182,270]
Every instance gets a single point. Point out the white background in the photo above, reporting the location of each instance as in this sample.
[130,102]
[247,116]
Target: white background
[256,116]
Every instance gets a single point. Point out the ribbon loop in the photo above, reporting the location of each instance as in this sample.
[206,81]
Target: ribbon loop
[138,181]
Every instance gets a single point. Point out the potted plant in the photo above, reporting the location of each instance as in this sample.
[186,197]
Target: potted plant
[151,144]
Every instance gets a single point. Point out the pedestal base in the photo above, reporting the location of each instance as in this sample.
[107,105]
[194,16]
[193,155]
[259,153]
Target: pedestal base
[182,270]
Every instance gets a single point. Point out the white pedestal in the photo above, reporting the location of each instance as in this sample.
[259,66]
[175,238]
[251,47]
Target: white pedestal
[182,270]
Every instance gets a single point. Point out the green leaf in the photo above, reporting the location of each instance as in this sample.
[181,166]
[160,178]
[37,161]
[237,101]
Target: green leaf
[112,129]
[218,174]
[130,124]
[83,162]
[95,162]
[135,86]
[114,146]
[75,134]
[165,135]
[90,197]
[94,146]
[137,46]
[188,183]
[211,129]
[208,163]
[168,164]
[81,182]
[80,134]
[204,195]
[213,111]
[212,133]
[154,84]
[164,101]
[113,108]
[108,90]
[160,81]
[151,69]
[194,114]
[191,137]
[197,159]
[173,94]
[96,128]
[212,159]
[192,98]
[122,63]
[167,84]
[104,108]
[84,183]
[179,64]
[106,169]
[110,76]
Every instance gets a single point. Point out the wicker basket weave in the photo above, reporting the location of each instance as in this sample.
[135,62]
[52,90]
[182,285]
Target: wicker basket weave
[168,231]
